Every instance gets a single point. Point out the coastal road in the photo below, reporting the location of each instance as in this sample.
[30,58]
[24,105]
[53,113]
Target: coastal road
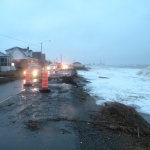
[61,119]
[32,120]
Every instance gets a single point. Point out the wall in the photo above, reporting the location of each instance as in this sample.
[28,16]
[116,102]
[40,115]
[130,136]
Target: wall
[7,68]
[17,54]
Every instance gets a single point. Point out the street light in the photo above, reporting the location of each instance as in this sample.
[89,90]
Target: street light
[61,57]
[41,49]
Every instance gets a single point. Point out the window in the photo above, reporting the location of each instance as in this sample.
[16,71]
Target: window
[3,61]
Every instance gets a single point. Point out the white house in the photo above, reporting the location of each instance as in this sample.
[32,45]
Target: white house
[5,63]
[21,57]
[19,53]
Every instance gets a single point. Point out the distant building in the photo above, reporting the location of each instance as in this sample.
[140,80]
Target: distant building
[43,57]
[37,55]
[78,65]
[21,56]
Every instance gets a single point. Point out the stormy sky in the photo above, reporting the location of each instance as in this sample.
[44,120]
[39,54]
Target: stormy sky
[113,31]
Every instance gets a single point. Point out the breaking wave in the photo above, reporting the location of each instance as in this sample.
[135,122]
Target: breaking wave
[145,72]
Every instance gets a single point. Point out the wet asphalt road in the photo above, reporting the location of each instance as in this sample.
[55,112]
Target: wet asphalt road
[9,89]
[31,105]
[12,88]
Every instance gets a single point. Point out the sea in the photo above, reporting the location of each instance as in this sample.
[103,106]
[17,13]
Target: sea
[127,85]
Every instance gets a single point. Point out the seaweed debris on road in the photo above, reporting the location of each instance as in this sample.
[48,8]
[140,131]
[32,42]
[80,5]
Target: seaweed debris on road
[115,117]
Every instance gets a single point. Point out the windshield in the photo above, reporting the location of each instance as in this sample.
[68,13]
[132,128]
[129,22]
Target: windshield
[33,67]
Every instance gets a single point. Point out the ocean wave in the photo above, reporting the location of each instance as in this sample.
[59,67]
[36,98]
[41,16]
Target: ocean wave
[145,72]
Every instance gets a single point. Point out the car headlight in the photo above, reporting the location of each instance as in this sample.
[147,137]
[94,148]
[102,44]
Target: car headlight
[64,66]
[48,67]
[24,72]
[35,72]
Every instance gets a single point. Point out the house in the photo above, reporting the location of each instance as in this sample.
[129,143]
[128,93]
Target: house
[78,65]
[5,63]
[21,57]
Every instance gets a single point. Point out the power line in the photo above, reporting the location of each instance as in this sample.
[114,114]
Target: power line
[21,41]
[18,40]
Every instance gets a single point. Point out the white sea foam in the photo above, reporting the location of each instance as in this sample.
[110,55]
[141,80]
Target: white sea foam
[123,85]
[145,73]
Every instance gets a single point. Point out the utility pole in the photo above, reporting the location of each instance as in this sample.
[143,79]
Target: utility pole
[0,63]
[41,55]
[41,48]
[41,51]
[61,58]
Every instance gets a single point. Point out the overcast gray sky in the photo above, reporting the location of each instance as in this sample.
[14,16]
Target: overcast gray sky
[113,31]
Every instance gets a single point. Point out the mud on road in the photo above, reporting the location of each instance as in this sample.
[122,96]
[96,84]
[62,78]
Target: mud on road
[62,119]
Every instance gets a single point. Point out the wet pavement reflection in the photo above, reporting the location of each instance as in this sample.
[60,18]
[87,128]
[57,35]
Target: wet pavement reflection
[10,89]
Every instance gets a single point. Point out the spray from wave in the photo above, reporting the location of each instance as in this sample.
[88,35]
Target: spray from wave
[145,72]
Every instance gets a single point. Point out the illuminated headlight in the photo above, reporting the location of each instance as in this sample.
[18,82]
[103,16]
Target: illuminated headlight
[64,66]
[35,73]
[24,72]
[48,67]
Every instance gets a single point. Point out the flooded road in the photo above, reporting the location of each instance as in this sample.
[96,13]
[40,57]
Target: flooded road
[9,89]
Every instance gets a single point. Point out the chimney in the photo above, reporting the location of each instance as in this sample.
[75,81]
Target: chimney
[28,51]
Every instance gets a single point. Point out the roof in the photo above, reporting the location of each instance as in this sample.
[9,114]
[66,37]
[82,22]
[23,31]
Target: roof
[13,48]
[21,49]
[2,54]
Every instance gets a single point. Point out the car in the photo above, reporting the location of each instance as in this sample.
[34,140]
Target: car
[51,69]
[34,71]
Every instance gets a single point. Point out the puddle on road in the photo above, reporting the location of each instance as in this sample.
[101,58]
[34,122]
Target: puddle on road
[23,97]
[55,94]
[31,81]
[60,85]
[35,89]
[34,80]
[12,88]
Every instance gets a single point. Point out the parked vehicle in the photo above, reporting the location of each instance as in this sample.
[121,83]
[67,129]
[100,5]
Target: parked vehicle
[34,70]
[51,69]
